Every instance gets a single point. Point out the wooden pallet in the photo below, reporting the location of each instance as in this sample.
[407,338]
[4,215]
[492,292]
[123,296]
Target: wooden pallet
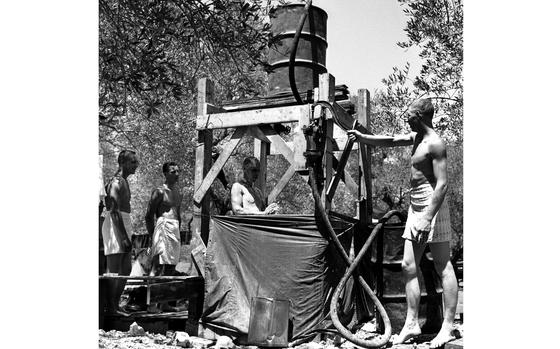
[160,289]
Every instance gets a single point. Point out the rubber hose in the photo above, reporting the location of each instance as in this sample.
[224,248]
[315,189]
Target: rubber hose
[374,343]
[331,109]
[291,68]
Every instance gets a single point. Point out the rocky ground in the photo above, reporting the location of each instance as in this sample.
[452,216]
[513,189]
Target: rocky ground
[137,338]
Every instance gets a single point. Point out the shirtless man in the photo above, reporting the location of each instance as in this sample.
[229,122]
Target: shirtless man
[247,199]
[428,217]
[117,228]
[165,205]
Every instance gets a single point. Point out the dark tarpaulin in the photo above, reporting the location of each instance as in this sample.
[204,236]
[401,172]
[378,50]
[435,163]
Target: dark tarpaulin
[277,256]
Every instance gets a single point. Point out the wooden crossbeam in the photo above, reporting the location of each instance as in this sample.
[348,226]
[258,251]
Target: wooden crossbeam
[205,100]
[256,132]
[219,163]
[339,170]
[350,183]
[261,151]
[281,183]
[279,143]
[252,117]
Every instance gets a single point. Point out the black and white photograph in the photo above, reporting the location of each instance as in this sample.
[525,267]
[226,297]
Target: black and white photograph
[280,174]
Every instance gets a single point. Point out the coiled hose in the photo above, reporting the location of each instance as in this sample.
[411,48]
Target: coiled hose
[379,341]
[376,342]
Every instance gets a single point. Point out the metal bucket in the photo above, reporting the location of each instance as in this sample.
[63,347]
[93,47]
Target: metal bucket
[268,322]
[311,52]
[390,281]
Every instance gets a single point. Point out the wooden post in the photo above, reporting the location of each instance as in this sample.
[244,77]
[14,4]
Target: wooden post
[326,93]
[364,156]
[262,149]
[201,221]
[365,309]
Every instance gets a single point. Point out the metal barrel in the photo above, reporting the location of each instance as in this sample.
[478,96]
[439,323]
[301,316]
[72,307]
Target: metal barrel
[311,51]
[390,282]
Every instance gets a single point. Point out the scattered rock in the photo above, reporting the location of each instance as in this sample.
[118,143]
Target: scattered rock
[312,345]
[161,339]
[200,343]
[136,330]
[182,339]
[337,341]
[224,342]
[369,327]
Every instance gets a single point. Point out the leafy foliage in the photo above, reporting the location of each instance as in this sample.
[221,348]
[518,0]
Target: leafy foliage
[151,55]
[436,28]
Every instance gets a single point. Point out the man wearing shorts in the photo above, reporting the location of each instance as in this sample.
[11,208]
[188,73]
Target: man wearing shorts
[117,228]
[428,217]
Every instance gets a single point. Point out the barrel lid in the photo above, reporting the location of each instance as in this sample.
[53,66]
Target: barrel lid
[299,5]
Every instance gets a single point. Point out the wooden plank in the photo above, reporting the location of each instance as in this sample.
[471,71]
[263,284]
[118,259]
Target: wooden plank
[152,278]
[340,170]
[326,93]
[170,291]
[282,99]
[364,156]
[252,117]
[219,164]
[365,197]
[281,183]
[350,183]
[203,160]
[256,132]
[300,144]
[261,150]
[278,142]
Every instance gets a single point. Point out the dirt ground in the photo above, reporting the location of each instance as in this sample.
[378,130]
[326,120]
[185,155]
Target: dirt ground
[129,340]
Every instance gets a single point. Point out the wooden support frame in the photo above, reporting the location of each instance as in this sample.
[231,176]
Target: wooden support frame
[219,164]
[201,220]
[364,156]
[340,170]
[256,123]
[261,151]
[253,117]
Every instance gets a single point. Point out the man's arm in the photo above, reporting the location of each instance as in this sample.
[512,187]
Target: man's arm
[153,204]
[380,140]
[120,230]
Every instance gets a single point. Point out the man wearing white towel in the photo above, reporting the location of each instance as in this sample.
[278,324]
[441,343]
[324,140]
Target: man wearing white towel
[117,227]
[164,206]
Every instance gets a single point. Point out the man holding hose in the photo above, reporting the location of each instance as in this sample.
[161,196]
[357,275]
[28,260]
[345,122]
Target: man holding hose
[428,217]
